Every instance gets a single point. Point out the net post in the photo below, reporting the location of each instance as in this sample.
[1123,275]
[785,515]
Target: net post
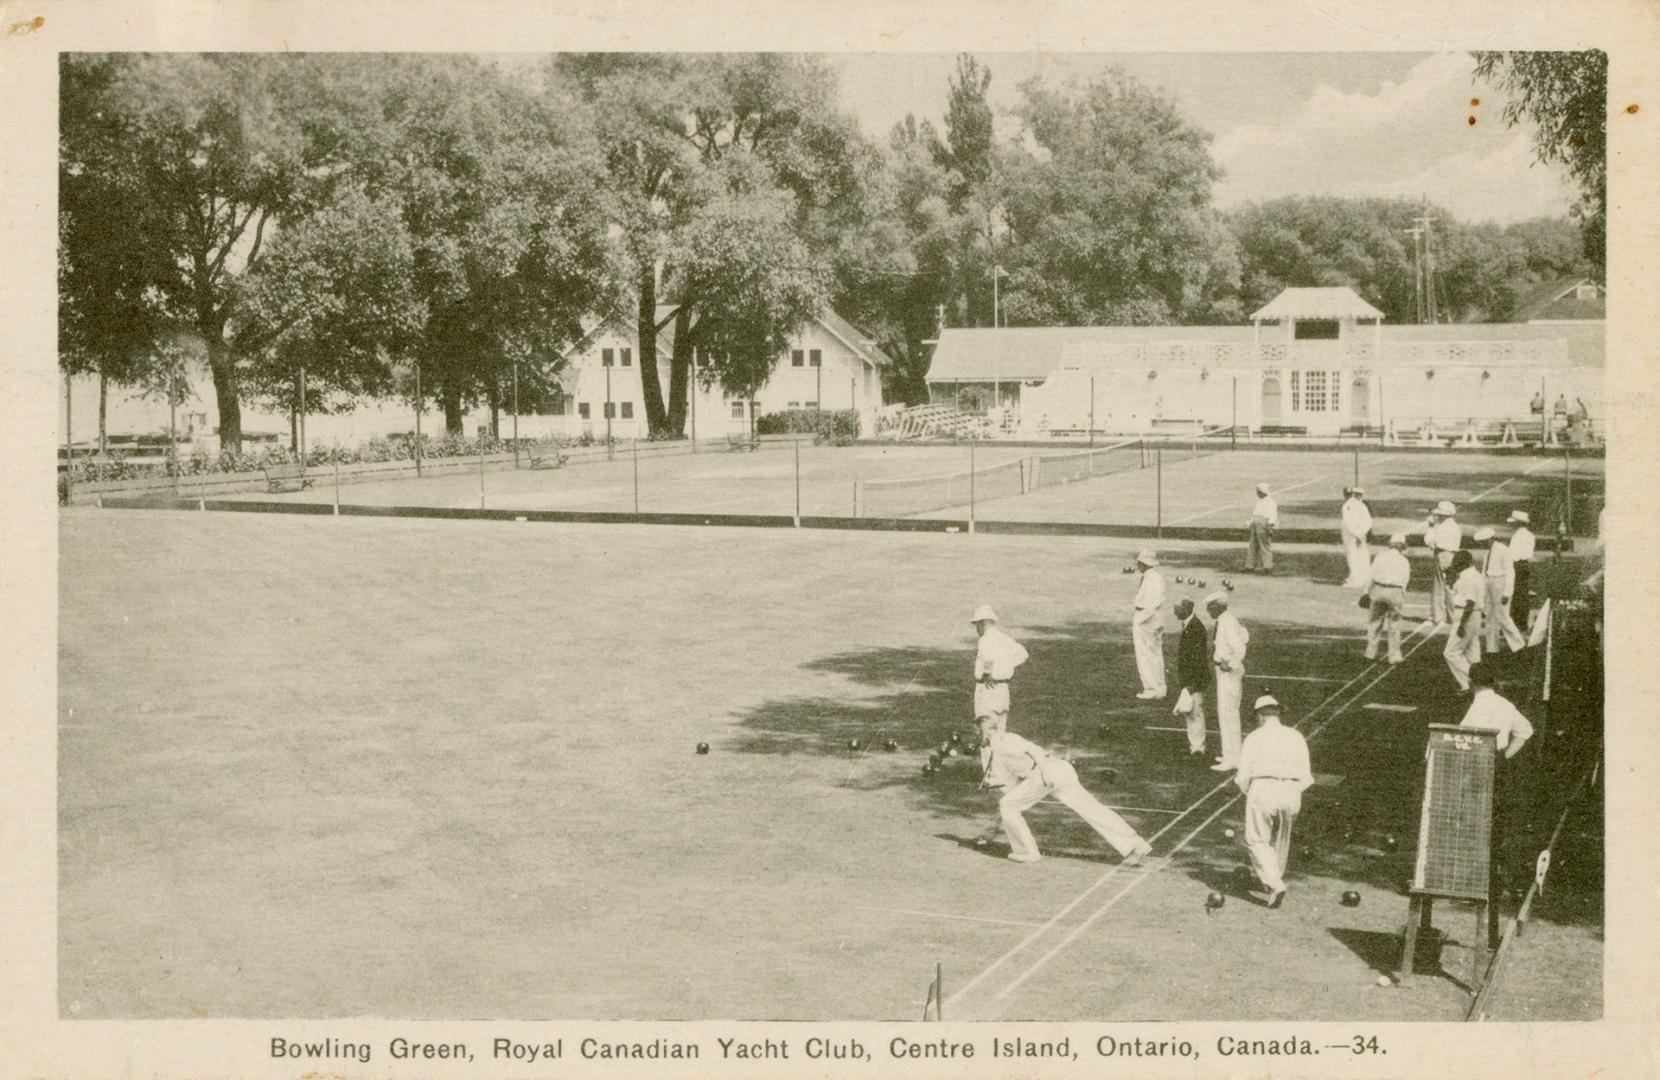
[858,498]
[971,484]
[481,474]
[797,445]
[1158,464]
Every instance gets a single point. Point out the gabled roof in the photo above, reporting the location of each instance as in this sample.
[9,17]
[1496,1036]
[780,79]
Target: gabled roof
[1326,302]
[1552,300]
[854,338]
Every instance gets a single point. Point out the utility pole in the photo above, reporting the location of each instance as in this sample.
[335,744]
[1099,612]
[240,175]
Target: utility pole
[1417,272]
[1423,221]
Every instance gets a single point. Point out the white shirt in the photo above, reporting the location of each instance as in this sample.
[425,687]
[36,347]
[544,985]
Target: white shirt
[998,655]
[1231,639]
[1389,567]
[1267,509]
[1357,520]
[1008,759]
[1521,544]
[1149,598]
[1470,588]
[1274,751]
[1498,564]
[1490,712]
[1445,535]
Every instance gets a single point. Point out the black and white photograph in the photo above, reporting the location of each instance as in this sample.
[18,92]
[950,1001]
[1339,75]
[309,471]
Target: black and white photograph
[1024,555]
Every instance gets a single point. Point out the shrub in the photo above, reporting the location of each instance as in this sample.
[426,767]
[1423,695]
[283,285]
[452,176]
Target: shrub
[837,426]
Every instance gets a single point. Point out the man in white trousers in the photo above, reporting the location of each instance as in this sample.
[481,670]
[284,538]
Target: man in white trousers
[1147,627]
[1228,656]
[1027,774]
[1469,593]
[1357,526]
[1390,575]
[995,658]
[1273,773]
[1443,535]
[1499,574]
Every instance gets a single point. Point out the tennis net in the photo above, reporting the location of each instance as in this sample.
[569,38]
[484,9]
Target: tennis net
[1074,465]
[906,495]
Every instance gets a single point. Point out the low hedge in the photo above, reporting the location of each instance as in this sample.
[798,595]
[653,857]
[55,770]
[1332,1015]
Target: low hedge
[837,426]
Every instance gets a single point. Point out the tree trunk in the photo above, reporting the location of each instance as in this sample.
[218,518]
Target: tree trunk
[103,415]
[293,430]
[222,363]
[454,417]
[680,370]
[645,326]
[495,412]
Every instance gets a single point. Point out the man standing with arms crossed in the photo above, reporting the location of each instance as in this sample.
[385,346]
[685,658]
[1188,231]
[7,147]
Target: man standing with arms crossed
[1147,627]
[1443,536]
[995,658]
[1390,575]
[1357,526]
[1499,576]
[1265,518]
[1229,658]
[1273,772]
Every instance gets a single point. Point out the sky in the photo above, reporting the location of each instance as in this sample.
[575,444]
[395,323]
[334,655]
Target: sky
[1352,124]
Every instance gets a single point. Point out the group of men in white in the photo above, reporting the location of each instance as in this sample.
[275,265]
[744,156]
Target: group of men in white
[1478,604]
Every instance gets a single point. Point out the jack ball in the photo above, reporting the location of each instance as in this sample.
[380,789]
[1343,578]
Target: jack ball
[1351,898]
[703,748]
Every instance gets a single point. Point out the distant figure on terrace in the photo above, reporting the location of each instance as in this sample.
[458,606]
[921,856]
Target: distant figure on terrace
[1259,546]
[1537,407]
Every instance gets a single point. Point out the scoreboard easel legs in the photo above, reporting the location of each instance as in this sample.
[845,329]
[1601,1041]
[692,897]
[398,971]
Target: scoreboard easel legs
[1419,916]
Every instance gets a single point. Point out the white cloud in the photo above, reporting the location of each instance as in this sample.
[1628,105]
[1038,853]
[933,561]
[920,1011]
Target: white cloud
[1408,138]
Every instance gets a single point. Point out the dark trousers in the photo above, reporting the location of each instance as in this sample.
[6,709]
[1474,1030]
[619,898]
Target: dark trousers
[1519,600]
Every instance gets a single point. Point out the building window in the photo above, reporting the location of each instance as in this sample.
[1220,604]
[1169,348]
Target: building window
[1314,391]
[582,409]
[558,408]
[628,357]
[610,410]
[737,410]
[628,410]
[815,358]
[811,404]
[607,357]
[1296,385]
[1336,382]
[797,358]
[792,405]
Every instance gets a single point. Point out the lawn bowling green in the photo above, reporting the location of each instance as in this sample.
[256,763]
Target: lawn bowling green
[318,766]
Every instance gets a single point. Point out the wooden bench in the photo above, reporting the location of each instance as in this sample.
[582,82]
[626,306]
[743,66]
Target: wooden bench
[1282,429]
[741,442]
[277,476]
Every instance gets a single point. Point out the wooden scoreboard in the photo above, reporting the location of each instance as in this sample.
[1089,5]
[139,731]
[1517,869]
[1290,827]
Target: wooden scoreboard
[1455,833]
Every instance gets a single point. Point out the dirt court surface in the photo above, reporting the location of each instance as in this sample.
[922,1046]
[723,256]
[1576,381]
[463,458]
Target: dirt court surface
[325,767]
[1212,491]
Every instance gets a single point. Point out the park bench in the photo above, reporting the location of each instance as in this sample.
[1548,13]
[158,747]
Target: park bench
[741,442]
[1282,429]
[278,476]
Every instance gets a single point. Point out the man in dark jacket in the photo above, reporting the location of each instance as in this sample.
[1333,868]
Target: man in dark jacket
[1193,672]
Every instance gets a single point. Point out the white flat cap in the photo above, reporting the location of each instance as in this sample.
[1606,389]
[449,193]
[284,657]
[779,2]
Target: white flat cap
[1262,489]
[1398,540]
[1483,533]
[1217,598]
[1445,509]
[1357,491]
[1147,557]
[1520,516]
[1266,701]
[983,613]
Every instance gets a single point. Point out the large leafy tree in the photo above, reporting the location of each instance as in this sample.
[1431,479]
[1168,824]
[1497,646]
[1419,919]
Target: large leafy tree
[111,270]
[216,149]
[968,148]
[1565,96]
[1108,210]
[468,235]
[669,125]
